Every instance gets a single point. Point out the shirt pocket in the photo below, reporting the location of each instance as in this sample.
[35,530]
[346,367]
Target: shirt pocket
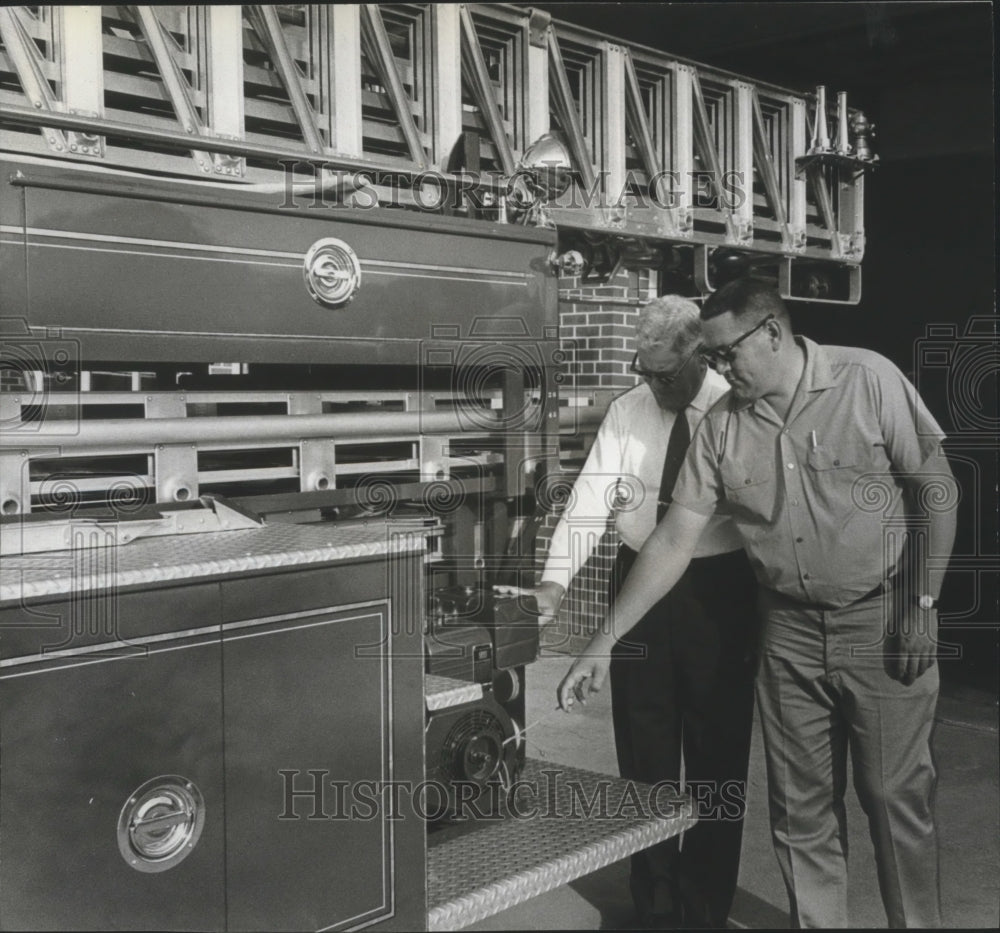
[824,460]
[837,477]
[749,489]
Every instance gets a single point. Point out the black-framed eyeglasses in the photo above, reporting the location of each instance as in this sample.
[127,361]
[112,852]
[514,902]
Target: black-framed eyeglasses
[665,379]
[714,356]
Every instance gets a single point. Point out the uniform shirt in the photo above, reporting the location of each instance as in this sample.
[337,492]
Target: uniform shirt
[622,474]
[817,500]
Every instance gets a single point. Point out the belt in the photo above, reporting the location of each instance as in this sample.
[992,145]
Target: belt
[626,551]
[883,587]
[886,586]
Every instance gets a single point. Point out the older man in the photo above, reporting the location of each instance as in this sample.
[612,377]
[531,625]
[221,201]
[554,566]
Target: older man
[684,679]
[821,455]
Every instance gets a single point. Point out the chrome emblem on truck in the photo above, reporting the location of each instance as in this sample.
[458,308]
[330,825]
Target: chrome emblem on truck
[332,272]
[161,823]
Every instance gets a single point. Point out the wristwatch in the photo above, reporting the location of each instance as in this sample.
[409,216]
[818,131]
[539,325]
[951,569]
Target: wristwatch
[927,602]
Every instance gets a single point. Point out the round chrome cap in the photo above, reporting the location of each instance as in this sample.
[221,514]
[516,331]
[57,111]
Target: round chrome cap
[160,823]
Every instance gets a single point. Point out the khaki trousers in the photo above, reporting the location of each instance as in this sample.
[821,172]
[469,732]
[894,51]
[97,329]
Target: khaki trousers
[823,693]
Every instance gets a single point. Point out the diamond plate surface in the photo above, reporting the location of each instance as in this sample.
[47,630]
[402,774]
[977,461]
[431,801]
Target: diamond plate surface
[552,836]
[184,557]
[442,692]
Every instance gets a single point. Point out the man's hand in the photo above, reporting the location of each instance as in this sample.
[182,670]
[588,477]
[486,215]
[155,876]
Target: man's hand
[586,676]
[548,595]
[912,649]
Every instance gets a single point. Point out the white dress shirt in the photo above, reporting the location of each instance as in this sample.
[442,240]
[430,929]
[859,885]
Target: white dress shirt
[622,474]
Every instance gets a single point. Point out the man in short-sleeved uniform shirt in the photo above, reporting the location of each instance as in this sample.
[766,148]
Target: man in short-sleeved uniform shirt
[813,501]
[819,456]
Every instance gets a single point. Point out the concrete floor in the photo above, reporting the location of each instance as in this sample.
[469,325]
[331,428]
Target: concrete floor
[968,811]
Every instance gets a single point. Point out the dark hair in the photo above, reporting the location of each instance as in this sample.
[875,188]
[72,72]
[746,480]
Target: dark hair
[744,297]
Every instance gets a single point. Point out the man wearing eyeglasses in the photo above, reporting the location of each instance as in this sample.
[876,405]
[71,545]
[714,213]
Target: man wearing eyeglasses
[820,455]
[684,676]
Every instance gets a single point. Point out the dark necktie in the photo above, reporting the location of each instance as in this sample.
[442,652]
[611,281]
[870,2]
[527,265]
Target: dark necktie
[677,445]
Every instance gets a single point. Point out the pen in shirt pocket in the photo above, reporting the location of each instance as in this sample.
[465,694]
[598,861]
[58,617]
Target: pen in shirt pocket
[812,439]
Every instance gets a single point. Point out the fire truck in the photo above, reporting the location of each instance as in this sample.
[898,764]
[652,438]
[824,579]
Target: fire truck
[283,398]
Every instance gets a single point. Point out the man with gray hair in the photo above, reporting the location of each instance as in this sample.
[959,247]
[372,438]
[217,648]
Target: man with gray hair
[683,680]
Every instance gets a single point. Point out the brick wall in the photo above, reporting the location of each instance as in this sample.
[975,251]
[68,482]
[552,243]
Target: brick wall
[11,378]
[598,339]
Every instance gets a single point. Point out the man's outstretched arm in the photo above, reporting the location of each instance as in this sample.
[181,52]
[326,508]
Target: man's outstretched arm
[662,560]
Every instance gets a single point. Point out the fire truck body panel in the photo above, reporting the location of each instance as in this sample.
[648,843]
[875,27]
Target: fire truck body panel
[272,694]
[213,275]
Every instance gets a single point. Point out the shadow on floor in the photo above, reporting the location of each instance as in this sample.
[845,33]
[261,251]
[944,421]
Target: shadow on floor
[750,912]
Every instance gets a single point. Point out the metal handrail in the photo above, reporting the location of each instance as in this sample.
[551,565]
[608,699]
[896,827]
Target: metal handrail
[110,433]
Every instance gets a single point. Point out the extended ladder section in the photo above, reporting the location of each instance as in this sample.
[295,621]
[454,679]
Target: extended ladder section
[437,107]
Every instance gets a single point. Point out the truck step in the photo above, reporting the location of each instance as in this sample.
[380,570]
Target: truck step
[562,823]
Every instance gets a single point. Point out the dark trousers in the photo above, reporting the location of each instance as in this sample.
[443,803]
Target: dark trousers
[682,680]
